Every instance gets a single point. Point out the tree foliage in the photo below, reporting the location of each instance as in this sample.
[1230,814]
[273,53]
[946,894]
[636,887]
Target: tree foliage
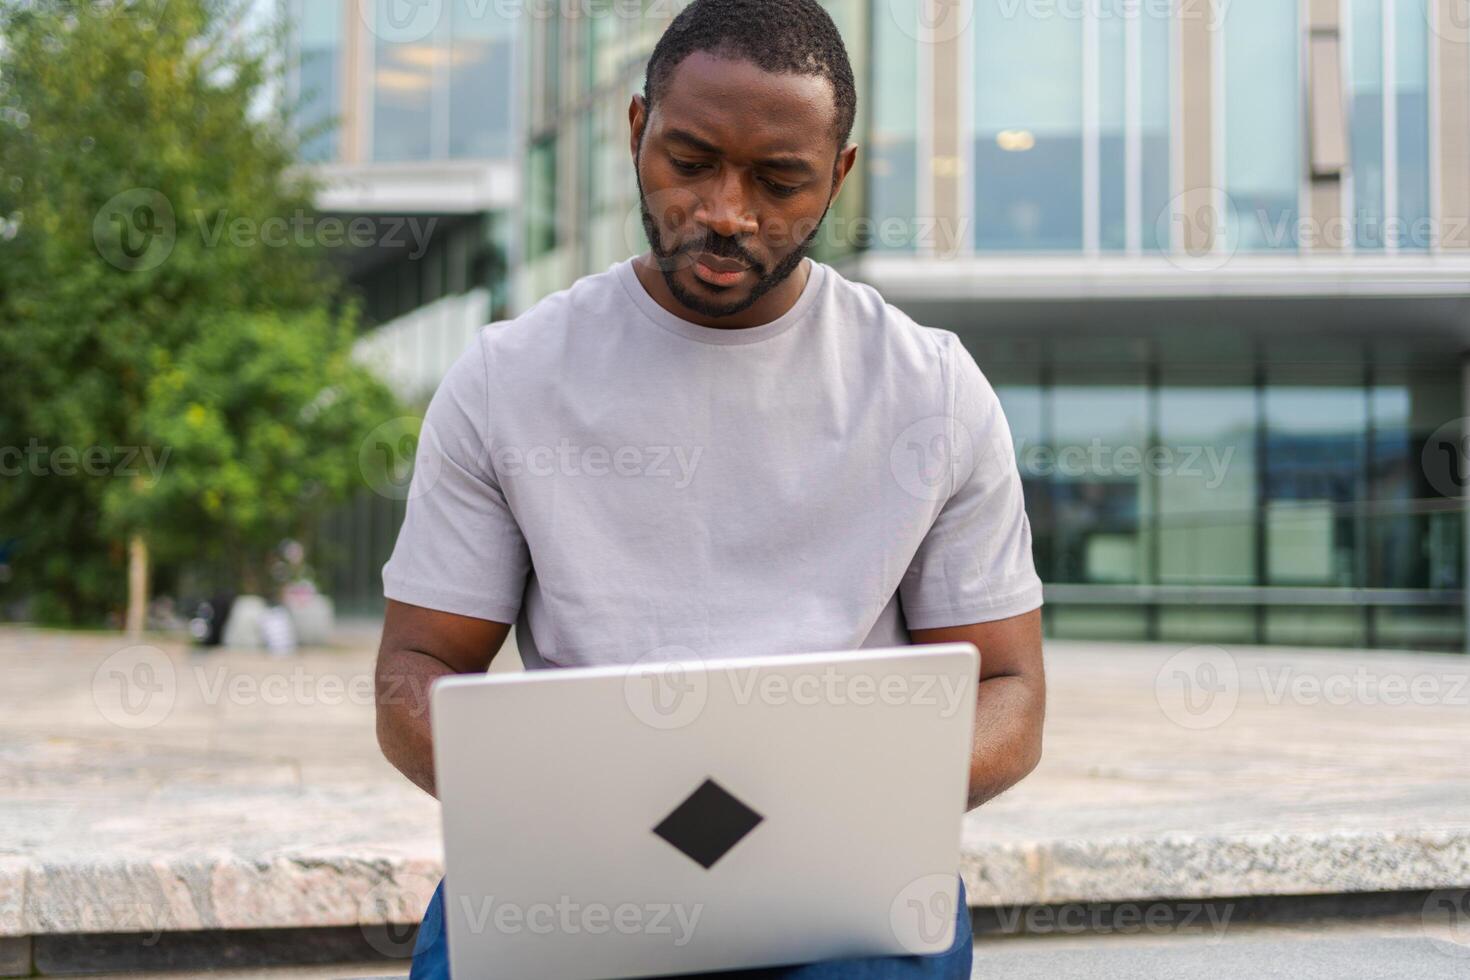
[136,141]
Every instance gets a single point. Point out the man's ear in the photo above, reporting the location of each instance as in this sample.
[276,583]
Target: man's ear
[842,167]
[637,120]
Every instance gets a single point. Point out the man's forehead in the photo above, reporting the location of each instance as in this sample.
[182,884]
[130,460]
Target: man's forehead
[718,99]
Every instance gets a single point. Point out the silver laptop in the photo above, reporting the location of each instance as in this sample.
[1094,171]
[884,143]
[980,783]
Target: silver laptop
[675,817]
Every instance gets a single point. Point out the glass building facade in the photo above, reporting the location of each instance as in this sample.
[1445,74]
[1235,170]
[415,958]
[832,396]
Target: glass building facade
[1274,493]
[1232,451]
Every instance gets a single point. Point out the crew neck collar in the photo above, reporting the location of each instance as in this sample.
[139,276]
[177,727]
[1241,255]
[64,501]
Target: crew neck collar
[650,308]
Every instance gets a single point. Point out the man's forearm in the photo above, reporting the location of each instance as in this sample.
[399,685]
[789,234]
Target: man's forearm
[1007,746]
[402,680]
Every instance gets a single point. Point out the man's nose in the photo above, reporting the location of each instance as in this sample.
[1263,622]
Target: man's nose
[724,209]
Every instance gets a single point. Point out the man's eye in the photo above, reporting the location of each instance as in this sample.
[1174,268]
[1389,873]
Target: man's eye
[781,190]
[685,167]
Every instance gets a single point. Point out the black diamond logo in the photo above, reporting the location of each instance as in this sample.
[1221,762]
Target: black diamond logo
[706,825]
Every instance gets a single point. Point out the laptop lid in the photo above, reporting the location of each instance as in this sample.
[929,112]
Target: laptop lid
[666,818]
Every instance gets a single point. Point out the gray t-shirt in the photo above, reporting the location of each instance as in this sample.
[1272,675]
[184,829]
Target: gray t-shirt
[623,483]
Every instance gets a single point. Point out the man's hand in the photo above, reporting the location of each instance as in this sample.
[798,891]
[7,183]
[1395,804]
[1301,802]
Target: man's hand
[1011,699]
[418,646]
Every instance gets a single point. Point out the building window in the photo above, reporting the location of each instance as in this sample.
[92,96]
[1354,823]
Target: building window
[481,88]
[541,198]
[1099,498]
[1388,82]
[1208,419]
[403,98]
[1027,128]
[892,147]
[1261,122]
[317,28]
[1071,126]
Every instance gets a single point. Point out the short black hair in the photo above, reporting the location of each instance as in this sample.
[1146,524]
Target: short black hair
[790,37]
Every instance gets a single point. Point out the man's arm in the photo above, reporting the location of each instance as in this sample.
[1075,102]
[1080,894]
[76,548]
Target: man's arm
[418,646]
[1010,700]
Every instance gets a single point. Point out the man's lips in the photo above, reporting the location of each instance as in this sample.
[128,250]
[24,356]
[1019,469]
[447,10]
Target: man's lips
[719,271]
[720,263]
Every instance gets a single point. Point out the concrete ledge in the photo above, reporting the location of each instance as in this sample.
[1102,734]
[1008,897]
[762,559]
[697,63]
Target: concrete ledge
[1201,867]
[232,894]
[164,896]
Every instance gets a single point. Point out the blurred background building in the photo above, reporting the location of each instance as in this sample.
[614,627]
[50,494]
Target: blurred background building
[1214,256]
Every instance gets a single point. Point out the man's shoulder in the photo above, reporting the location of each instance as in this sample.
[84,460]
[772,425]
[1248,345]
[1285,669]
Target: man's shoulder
[882,323]
[542,323]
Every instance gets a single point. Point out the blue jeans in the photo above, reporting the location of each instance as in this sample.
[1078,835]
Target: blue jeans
[431,956]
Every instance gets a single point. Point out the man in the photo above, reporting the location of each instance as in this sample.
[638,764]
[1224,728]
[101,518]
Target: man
[720,447]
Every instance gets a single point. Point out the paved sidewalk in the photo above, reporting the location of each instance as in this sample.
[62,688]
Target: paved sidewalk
[244,791]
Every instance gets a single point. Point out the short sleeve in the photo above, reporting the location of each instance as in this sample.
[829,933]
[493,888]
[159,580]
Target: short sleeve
[460,549]
[975,563]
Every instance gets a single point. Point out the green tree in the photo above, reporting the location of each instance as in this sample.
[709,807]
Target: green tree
[246,412]
[137,142]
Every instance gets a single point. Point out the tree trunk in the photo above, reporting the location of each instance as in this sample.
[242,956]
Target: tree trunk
[137,585]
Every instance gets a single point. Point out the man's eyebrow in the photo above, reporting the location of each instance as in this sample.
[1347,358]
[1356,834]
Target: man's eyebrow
[791,164]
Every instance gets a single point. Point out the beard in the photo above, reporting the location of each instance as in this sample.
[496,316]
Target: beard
[669,259]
